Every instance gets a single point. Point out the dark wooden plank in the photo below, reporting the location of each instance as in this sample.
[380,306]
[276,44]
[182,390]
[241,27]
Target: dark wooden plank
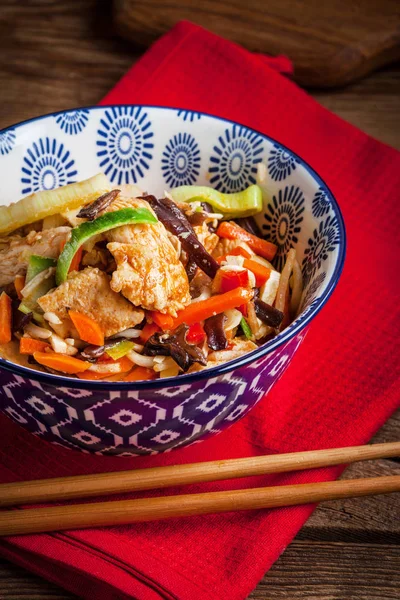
[330,43]
[333,571]
[18,584]
[306,571]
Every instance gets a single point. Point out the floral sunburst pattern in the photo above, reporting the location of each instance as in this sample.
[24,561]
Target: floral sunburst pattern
[74,121]
[320,203]
[47,164]
[125,143]
[189,115]
[7,141]
[323,241]
[235,159]
[180,163]
[283,219]
[281,163]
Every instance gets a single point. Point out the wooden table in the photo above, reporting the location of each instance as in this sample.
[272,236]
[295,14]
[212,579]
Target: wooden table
[57,55]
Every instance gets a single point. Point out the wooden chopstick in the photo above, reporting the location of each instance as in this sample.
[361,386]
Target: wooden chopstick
[78,516]
[85,486]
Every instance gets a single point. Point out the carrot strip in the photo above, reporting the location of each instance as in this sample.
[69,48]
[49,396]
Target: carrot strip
[61,362]
[88,329]
[140,374]
[5,318]
[198,311]
[19,284]
[238,251]
[165,322]
[92,376]
[30,346]
[125,364]
[148,331]
[232,231]
[76,261]
[260,272]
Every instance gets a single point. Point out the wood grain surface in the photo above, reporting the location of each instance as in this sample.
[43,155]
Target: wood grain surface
[60,55]
[330,43]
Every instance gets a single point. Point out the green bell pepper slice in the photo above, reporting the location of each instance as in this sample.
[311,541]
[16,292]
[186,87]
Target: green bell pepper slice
[84,231]
[239,204]
[120,349]
[246,328]
[37,264]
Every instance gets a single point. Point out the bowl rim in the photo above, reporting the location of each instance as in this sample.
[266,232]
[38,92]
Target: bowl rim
[285,336]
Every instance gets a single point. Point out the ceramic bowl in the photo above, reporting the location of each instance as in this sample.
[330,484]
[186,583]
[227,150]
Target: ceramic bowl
[159,148]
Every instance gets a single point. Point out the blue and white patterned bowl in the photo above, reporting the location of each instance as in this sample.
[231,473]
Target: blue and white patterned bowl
[159,148]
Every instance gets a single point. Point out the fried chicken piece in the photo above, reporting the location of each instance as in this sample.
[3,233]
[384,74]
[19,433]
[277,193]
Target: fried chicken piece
[89,292]
[15,250]
[149,272]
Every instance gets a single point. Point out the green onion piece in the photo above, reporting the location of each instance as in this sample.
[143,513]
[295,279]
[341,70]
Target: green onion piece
[84,231]
[36,316]
[239,204]
[37,264]
[246,328]
[120,349]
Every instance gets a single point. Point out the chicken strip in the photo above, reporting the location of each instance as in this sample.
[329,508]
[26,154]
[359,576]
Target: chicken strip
[15,250]
[89,292]
[149,272]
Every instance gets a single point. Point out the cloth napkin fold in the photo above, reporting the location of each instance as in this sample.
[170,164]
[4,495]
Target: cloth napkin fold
[342,384]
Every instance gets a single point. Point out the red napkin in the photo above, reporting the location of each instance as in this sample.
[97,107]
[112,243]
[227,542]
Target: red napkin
[340,388]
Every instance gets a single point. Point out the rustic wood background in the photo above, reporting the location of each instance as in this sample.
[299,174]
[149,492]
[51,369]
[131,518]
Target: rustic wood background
[330,43]
[56,55]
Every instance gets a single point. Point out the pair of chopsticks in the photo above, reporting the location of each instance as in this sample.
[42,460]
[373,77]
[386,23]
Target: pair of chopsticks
[117,512]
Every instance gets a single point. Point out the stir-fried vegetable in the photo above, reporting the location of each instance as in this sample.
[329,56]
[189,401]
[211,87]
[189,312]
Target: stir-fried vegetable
[37,287]
[246,329]
[51,202]
[232,303]
[297,288]
[80,234]
[19,283]
[214,328]
[120,349]
[165,322]
[60,362]
[283,288]
[37,264]
[30,346]
[176,222]
[250,225]
[268,314]
[140,374]
[76,261]
[198,311]
[196,334]
[19,319]
[228,229]
[5,318]
[148,331]
[90,211]
[260,272]
[233,279]
[239,204]
[175,345]
[88,329]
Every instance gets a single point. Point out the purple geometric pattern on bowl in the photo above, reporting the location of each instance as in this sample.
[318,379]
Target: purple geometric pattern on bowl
[143,421]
